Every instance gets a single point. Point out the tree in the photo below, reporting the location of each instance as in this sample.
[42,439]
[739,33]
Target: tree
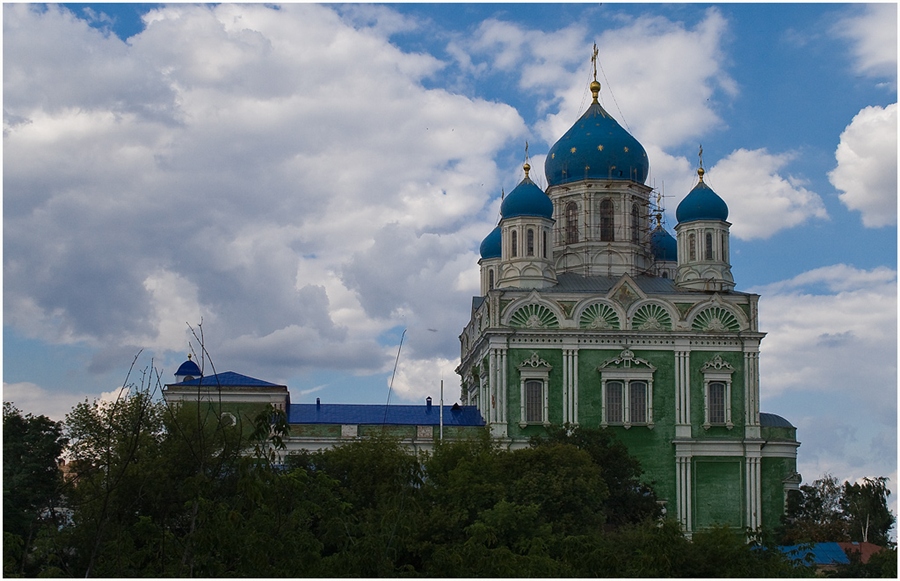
[865,505]
[814,513]
[630,501]
[32,482]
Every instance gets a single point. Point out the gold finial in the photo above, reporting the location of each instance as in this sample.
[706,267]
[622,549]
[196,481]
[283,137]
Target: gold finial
[189,356]
[595,85]
[700,171]
[527,166]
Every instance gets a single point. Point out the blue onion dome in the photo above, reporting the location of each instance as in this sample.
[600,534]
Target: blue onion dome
[526,199]
[490,246]
[663,245]
[701,204]
[188,368]
[596,147]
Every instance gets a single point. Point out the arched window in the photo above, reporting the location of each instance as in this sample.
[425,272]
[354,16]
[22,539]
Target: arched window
[716,402]
[637,399]
[615,403]
[635,223]
[692,246]
[529,242]
[724,248]
[571,223]
[709,246]
[534,400]
[490,279]
[607,225]
[544,243]
[514,244]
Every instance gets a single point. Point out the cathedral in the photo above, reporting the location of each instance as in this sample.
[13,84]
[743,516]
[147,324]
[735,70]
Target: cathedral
[592,314]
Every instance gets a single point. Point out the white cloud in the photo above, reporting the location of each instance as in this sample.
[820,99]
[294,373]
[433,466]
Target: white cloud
[653,56]
[259,168]
[829,363]
[421,378]
[872,32]
[35,399]
[760,200]
[866,169]
[831,329]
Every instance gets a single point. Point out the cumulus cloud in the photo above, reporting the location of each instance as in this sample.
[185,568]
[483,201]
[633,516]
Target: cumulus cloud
[866,171]
[830,358]
[760,200]
[258,168]
[829,329]
[421,378]
[683,63]
[872,33]
[33,398]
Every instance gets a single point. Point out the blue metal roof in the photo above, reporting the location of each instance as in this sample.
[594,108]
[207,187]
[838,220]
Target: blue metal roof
[526,199]
[490,247]
[822,553]
[663,245]
[596,147]
[773,421]
[228,379]
[701,204]
[374,414]
[188,368]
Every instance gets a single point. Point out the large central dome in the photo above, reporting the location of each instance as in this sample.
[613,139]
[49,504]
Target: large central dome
[596,147]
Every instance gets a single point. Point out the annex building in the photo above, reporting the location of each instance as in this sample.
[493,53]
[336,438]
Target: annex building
[592,314]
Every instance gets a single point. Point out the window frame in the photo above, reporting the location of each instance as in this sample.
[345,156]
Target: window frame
[571,223]
[717,371]
[635,223]
[607,221]
[536,370]
[627,370]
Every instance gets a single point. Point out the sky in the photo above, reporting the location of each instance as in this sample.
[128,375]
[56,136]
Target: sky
[305,182]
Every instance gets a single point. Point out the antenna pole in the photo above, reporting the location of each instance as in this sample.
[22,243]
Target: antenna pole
[391,385]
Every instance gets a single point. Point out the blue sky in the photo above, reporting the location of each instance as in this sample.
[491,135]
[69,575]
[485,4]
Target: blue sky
[310,180]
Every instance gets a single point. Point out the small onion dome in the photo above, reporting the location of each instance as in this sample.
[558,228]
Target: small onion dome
[701,204]
[188,368]
[596,147]
[490,246]
[526,199]
[663,245]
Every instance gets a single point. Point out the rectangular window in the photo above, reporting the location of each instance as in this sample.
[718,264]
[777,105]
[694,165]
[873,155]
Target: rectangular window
[615,414]
[534,401]
[716,402]
[638,402]
[529,242]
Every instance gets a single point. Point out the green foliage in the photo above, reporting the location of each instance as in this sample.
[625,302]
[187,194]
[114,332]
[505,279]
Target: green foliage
[866,505]
[32,483]
[828,511]
[179,492]
[630,501]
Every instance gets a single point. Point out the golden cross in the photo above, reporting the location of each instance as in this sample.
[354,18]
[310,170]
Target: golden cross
[594,61]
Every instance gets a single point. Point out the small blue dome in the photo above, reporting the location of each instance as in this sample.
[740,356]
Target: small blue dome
[490,246]
[596,147]
[701,204]
[188,368]
[526,199]
[663,245]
